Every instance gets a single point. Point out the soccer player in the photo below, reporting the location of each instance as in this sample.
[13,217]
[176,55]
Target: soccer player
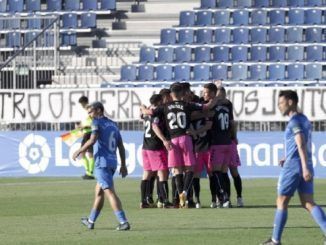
[297,168]
[106,139]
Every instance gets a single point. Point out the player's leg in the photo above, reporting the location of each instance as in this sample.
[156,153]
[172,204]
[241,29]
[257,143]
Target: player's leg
[237,184]
[85,160]
[144,189]
[227,186]
[91,161]
[198,169]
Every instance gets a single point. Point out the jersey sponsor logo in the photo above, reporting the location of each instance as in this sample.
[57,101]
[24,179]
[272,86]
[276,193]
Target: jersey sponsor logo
[296,130]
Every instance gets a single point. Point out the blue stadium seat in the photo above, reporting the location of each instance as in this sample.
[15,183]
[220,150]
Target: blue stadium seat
[72,5]
[16,6]
[33,5]
[3,6]
[295,72]
[258,72]
[220,54]
[240,17]
[296,16]
[168,36]
[314,34]
[296,3]
[315,53]
[276,53]
[187,18]
[277,17]
[221,17]
[239,53]
[261,3]
[244,3]
[182,54]
[1,25]
[165,54]
[69,20]
[88,20]
[54,5]
[164,73]
[147,54]
[258,35]
[204,36]
[29,36]
[13,23]
[225,4]
[201,73]
[276,72]
[202,54]
[295,53]
[219,72]
[68,39]
[49,39]
[207,4]
[186,36]
[314,71]
[13,39]
[258,53]
[128,73]
[314,3]
[258,17]
[239,72]
[222,35]
[145,73]
[276,35]
[204,18]
[279,3]
[313,17]
[294,34]
[182,73]
[240,35]
[34,23]
[108,5]
[89,4]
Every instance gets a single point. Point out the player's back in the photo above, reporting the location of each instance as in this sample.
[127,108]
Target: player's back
[150,141]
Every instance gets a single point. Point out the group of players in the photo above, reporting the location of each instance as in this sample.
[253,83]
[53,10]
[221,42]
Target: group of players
[185,135]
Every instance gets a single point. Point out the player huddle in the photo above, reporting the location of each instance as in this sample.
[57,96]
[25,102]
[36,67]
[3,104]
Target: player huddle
[184,135]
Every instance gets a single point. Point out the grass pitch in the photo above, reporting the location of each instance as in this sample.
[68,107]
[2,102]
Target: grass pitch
[48,211]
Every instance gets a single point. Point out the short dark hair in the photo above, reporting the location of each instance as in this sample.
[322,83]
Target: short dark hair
[97,105]
[289,95]
[177,89]
[222,89]
[155,99]
[186,86]
[165,92]
[211,87]
[83,99]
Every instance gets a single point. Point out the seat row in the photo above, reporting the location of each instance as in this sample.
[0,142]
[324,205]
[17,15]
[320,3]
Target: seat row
[254,17]
[236,72]
[242,35]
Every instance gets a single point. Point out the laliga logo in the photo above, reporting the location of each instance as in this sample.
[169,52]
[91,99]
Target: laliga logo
[34,154]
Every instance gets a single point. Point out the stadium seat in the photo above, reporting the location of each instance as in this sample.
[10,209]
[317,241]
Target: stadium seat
[296,3]
[72,5]
[294,34]
[313,17]
[219,72]
[258,17]
[258,53]
[3,6]
[239,72]
[277,17]
[1,26]
[88,20]
[164,73]
[147,54]
[314,71]
[276,72]
[68,39]
[258,72]
[165,54]
[240,35]
[49,39]
[204,36]
[34,23]
[89,4]
[296,17]
[240,17]
[220,54]
[145,73]
[203,18]
[33,5]
[182,54]
[29,36]
[53,5]
[108,4]
[295,53]
[261,3]
[186,36]
[244,3]
[258,35]
[201,73]
[16,6]
[314,34]
[13,23]
[277,53]
[222,35]
[295,72]
[69,20]
[279,3]
[221,17]
[13,40]
[128,73]
[315,53]
[239,54]
[187,18]
[202,54]
[225,4]
[207,4]
[314,3]
[276,35]
[182,73]
[168,36]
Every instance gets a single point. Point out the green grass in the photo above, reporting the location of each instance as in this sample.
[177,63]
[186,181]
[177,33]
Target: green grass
[48,211]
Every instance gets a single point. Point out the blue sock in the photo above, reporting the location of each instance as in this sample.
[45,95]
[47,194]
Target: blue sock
[93,215]
[320,218]
[121,217]
[279,223]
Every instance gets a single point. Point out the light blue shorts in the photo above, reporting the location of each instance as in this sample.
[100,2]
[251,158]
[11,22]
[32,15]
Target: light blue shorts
[104,177]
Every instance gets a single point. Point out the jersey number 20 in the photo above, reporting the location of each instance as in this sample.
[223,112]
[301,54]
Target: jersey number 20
[177,120]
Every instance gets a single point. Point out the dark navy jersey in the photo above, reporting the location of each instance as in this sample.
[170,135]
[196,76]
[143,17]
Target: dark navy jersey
[151,141]
[201,141]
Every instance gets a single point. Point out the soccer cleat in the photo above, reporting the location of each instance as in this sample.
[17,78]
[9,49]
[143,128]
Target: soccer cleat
[198,205]
[213,205]
[182,198]
[159,204]
[270,242]
[227,204]
[240,202]
[123,227]
[86,222]
[144,205]
[150,202]
[86,177]
[167,204]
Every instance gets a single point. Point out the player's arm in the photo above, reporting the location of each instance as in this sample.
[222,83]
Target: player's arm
[196,115]
[144,111]
[194,132]
[122,154]
[302,149]
[160,135]
[88,143]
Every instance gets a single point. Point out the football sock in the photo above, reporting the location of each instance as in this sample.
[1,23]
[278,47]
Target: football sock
[279,223]
[320,218]
[91,163]
[179,183]
[121,217]
[158,190]
[220,184]
[166,188]
[163,193]
[238,185]
[196,184]
[227,183]
[188,181]
[84,161]
[212,186]
[151,186]
[143,188]
[174,190]
[93,215]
